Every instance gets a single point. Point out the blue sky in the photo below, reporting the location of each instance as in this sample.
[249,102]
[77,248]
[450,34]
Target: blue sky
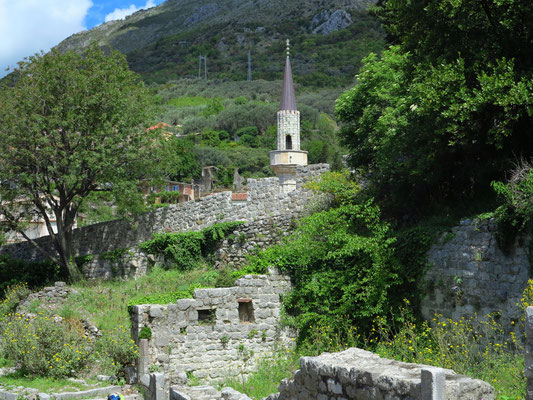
[29,26]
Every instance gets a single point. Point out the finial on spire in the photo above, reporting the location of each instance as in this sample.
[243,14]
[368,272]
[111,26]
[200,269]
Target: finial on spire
[288,47]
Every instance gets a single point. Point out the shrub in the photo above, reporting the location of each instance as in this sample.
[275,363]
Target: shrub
[13,296]
[145,333]
[186,250]
[340,261]
[183,249]
[34,274]
[41,346]
[116,349]
[210,138]
[247,130]
[515,215]
[474,346]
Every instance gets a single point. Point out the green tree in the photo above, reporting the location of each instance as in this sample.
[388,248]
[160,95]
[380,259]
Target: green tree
[71,125]
[340,261]
[443,113]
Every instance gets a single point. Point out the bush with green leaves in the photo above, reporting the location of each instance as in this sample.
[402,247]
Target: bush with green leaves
[446,110]
[115,349]
[515,215]
[34,273]
[13,295]
[187,250]
[340,261]
[42,346]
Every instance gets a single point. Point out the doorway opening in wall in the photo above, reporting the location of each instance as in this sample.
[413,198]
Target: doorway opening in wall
[246,311]
[288,142]
[207,317]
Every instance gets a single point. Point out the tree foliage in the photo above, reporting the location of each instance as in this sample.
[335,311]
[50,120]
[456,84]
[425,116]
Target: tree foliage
[72,125]
[340,261]
[444,112]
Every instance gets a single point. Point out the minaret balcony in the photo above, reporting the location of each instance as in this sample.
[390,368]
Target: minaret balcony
[287,158]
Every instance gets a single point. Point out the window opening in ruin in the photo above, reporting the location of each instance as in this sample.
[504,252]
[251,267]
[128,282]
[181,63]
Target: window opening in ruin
[288,142]
[206,317]
[246,311]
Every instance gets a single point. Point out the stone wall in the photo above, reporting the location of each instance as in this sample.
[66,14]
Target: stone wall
[217,333]
[264,206]
[359,374]
[469,274]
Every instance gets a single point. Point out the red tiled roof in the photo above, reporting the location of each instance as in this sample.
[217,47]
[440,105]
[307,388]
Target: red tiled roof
[159,125]
[239,196]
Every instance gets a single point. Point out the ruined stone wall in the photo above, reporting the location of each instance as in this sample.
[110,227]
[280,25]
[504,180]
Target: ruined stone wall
[359,374]
[218,333]
[469,274]
[264,207]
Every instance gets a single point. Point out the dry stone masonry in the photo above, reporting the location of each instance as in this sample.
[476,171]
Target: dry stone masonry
[360,375]
[266,211]
[217,333]
[469,274]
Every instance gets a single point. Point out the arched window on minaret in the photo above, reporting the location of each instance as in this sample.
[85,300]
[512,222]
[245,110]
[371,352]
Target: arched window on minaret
[288,142]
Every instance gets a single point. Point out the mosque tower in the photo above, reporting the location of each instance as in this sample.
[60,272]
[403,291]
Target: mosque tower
[288,156]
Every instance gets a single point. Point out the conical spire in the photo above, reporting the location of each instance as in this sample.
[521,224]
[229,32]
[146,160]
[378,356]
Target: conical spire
[288,99]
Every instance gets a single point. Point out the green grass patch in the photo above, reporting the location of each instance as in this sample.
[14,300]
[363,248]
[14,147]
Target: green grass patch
[47,385]
[106,303]
[270,371]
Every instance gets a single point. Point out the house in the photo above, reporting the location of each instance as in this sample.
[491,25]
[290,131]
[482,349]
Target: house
[187,191]
[35,223]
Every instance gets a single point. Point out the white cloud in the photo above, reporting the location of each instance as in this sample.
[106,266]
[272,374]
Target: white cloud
[28,26]
[121,13]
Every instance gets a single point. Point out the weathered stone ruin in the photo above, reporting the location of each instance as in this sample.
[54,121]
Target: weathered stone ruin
[218,333]
[360,375]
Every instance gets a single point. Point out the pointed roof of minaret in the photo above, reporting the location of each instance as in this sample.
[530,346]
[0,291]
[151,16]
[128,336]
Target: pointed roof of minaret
[288,99]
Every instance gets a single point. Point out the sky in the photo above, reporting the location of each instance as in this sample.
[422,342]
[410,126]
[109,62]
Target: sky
[29,26]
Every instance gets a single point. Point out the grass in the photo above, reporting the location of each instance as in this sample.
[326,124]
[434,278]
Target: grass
[47,385]
[105,303]
[474,347]
[270,371]
[478,347]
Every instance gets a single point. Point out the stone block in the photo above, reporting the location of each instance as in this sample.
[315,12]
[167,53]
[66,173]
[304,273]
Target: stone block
[156,311]
[145,380]
[433,384]
[334,387]
[162,340]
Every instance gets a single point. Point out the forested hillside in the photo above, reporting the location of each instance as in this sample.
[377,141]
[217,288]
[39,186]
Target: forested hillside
[163,43]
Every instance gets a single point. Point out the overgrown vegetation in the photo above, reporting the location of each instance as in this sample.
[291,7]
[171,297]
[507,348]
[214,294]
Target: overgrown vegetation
[44,347]
[41,346]
[185,251]
[34,274]
[445,111]
[515,215]
[340,261]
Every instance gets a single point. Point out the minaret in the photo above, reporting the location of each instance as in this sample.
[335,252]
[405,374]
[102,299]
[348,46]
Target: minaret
[288,156]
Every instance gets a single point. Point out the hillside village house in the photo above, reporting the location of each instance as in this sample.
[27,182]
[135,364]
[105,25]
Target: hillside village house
[35,225]
[187,191]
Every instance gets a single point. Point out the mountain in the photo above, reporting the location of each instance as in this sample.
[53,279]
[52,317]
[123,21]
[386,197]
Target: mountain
[328,39]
